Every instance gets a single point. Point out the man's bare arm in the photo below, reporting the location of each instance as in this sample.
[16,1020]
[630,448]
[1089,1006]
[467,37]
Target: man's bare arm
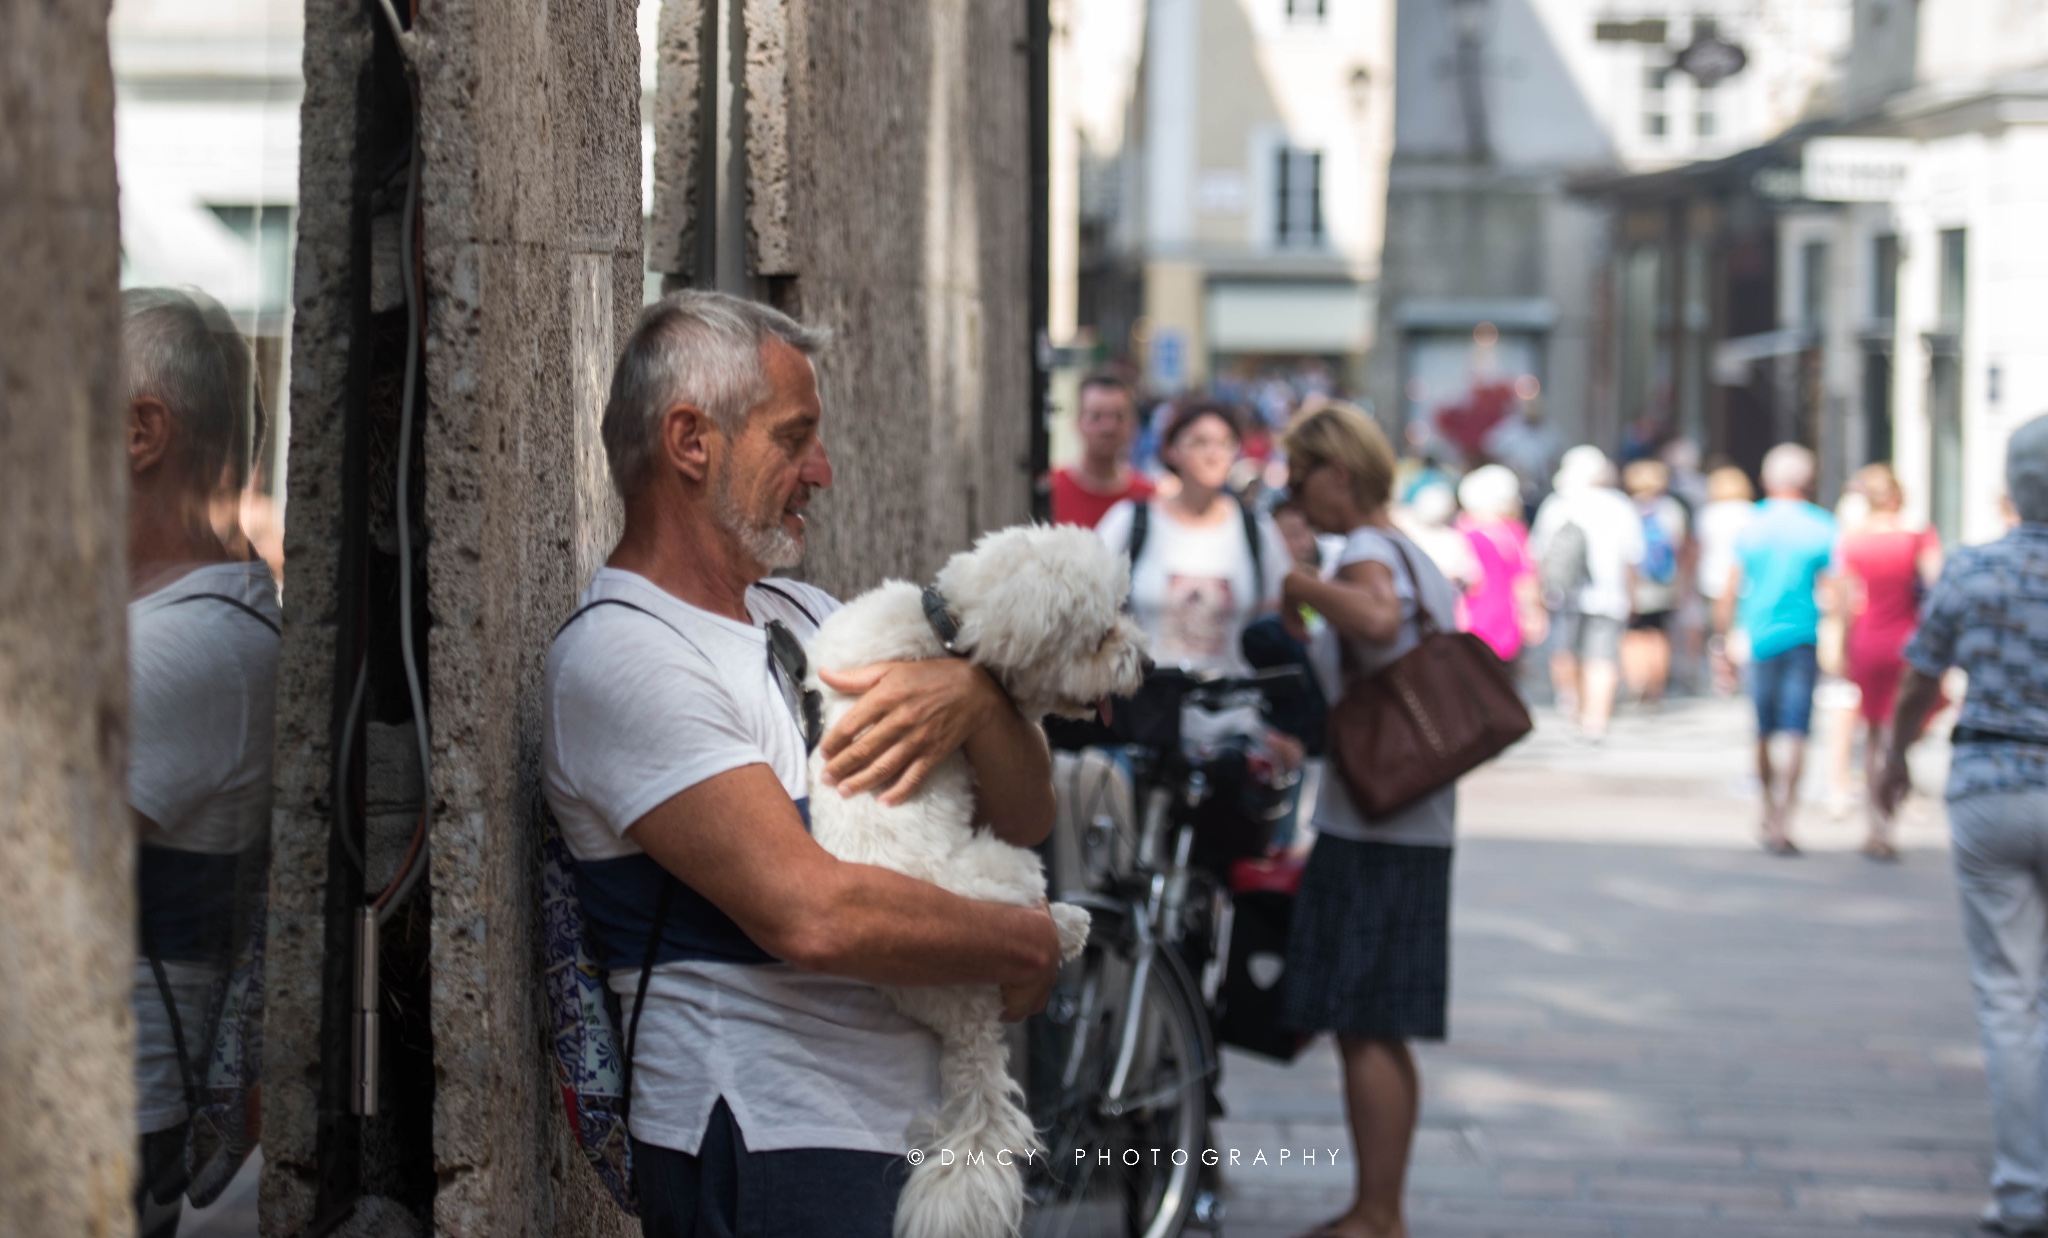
[1724,606]
[1012,778]
[737,840]
[1918,692]
[1360,601]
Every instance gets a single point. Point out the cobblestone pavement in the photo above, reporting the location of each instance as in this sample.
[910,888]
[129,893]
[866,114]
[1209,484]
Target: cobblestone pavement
[1658,1029]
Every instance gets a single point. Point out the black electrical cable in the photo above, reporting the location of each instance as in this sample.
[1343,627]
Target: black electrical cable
[387,903]
[343,751]
[416,860]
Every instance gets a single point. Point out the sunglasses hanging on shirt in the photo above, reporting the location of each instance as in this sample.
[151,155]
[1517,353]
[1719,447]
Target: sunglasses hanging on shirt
[806,705]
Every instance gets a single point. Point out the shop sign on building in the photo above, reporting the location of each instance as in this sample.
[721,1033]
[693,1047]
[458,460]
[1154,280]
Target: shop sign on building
[1856,169]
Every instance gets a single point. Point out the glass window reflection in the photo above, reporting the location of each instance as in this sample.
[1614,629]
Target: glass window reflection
[206,123]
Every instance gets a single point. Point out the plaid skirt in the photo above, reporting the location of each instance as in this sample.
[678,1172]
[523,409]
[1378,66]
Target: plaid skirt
[1368,952]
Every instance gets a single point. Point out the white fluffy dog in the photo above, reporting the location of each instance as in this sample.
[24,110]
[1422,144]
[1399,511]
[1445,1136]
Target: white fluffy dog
[1041,610]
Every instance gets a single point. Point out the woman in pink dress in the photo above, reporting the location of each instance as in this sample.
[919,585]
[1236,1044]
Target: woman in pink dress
[1885,567]
[1503,607]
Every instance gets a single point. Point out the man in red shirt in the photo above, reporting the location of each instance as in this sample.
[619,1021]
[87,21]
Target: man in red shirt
[1103,477]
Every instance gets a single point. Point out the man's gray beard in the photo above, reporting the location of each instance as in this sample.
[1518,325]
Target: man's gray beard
[772,546]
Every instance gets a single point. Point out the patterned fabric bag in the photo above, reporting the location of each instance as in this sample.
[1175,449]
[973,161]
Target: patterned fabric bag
[591,1062]
[222,1088]
[227,1120]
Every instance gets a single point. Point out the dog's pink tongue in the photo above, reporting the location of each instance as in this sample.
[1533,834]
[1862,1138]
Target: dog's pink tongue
[1102,710]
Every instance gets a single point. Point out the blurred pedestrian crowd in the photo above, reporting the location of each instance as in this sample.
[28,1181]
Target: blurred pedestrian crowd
[1610,583]
[1613,585]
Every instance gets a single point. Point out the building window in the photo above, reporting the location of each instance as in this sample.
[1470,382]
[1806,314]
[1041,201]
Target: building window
[1656,117]
[1884,278]
[1307,10]
[267,231]
[1813,285]
[1945,389]
[1877,403]
[1705,122]
[1954,252]
[1298,212]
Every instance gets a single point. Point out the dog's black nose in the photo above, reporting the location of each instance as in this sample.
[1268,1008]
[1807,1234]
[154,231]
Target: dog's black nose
[1146,665]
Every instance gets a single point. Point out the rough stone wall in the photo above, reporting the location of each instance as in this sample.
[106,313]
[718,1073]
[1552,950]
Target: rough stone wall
[327,265]
[910,196]
[67,906]
[678,93]
[889,199]
[531,243]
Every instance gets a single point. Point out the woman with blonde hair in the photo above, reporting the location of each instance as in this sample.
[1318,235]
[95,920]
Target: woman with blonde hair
[1731,505]
[1658,587]
[1369,951]
[1886,565]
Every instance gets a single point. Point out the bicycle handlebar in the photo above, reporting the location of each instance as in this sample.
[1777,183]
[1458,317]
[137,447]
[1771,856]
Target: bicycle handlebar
[1205,686]
[1151,717]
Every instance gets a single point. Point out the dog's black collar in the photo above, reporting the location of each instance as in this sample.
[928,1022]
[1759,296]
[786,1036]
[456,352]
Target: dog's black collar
[935,613]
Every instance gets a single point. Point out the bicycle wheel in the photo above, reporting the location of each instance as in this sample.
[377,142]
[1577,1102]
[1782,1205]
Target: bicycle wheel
[1131,1168]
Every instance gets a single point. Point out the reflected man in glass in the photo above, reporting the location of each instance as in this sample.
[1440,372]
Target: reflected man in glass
[203,628]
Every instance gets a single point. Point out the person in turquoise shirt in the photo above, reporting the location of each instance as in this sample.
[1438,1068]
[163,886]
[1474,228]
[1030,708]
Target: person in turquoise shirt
[1773,594]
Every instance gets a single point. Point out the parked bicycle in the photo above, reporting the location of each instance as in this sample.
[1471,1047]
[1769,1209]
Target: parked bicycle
[1124,1060]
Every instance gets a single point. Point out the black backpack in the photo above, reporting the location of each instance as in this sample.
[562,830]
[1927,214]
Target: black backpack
[1141,528]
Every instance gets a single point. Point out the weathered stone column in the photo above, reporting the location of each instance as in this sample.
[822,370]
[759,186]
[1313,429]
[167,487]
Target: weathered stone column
[532,245]
[530,240]
[67,905]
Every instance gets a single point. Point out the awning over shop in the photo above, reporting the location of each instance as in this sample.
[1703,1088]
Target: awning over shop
[1289,317]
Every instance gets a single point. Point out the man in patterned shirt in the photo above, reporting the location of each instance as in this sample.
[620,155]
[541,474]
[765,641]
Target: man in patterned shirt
[1989,616]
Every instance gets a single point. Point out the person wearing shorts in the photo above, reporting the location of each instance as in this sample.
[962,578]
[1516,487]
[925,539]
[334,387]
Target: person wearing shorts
[1590,638]
[1781,559]
[1587,519]
[1781,686]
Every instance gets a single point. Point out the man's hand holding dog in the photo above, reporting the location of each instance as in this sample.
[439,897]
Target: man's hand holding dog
[912,715]
[1021,1001]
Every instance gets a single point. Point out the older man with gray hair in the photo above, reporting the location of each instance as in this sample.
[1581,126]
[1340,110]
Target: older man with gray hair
[1773,596]
[773,1085]
[203,624]
[1989,616]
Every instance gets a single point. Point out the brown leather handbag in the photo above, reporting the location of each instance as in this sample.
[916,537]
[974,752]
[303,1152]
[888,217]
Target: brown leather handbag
[1427,719]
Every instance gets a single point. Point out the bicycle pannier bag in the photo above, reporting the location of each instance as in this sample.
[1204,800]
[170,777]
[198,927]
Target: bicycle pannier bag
[1437,712]
[1262,910]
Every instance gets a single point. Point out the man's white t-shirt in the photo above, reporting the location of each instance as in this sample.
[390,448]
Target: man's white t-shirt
[1614,544]
[643,704]
[202,694]
[1192,589]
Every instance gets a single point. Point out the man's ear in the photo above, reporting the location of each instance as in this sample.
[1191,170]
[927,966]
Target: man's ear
[149,433]
[686,433]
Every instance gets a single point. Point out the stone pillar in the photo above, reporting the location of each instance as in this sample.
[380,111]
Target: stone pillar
[533,266]
[530,240]
[67,904]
